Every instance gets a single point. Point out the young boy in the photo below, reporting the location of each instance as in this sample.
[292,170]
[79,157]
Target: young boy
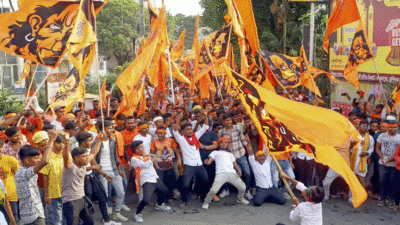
[31,208]
[8,167]
[226,168]
[310,211]
[52,174]
[149,180]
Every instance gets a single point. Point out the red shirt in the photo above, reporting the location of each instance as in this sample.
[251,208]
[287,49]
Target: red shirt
[92,113]
[128,138]
[29,134]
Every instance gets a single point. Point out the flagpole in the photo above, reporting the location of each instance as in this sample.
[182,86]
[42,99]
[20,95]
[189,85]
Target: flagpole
[170,73]
[31,98]
[379,79]
[216,78]
[98,76]
[108,105]
[284,180]
[32,78]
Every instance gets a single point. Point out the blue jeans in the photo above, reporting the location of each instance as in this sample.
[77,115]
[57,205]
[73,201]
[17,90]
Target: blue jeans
[268,195]
[111,190]
[56,209]
[245,167]
[15,210]
[286,167]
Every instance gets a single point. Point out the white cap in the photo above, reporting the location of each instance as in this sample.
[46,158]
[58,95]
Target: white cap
[39,110]
[391,118]
[158,118]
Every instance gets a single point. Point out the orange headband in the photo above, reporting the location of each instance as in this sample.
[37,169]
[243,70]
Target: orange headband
[143,126]
[213,113]
[10,115]
[260,152]
[392,125]
[223,139]
[384,124]
[356,120]
[161,131]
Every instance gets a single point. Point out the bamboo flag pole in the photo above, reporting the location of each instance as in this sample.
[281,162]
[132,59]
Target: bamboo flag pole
[98,75]
[379,79]
[172,79]
[284,180]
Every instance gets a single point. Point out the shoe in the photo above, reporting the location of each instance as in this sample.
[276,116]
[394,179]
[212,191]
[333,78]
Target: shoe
[224,193]
[125,208]
[119,217]
[112,223]
[248,195]
[138,218]
[286,195]
[205,206]
[109,210]
[162,207]
[216,198]
[243,201]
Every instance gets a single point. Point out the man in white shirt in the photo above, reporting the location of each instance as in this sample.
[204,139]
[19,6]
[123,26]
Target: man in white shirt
[144,136]
[265,189]
[310,211]
[226,168]
[193,166]
[59,111]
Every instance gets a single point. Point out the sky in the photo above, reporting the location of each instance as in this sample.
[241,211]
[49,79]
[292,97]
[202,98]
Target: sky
[186,7]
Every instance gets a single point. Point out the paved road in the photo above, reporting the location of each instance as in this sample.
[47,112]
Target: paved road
[335,211]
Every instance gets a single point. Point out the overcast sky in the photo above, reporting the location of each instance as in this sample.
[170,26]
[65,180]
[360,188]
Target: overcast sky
[186,7]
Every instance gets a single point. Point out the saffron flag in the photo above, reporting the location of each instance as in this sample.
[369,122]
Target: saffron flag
[82,42]
[245,9]
[197,48]
[26,70]
[131,76]
[396,94]
[360,52]
[104,93]
[152,11]
[130,101]
[214,51]
[281,127]
[161,75]
[306,78]
[315,72]
[142,107]
[232,16]
[39,30]
[177,47]
[71,90]
[285,68]
[345,12]
[257,76]
[174,69]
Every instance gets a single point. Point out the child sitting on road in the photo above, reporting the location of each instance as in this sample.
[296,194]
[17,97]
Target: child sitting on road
[310,211]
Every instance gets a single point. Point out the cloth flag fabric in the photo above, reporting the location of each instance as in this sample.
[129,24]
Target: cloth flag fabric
[345,12]
[177,48]
[104,93]
[130,101]
[28,66]
[245,9]
[82,43]
[315,72]
[360,52]
[257,76]
[281,127]
[395,96]
[71,90]
[152,11]
[23,32]
[306,78]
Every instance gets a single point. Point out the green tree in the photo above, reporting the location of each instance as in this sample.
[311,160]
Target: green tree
[188,23]
[117,29]
[9,103]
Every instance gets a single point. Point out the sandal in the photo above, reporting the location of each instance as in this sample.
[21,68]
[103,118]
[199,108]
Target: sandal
[381,203]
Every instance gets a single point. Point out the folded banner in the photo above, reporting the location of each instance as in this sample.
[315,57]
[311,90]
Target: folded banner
[39,31]
[306,78]
[281,122]
[71,90]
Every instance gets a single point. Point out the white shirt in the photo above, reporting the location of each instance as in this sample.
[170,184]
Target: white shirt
[105,157]
[146,141]
[89,164]
[303,156]
[224,161]
[262,172]
[308,212]
[147,172]
[57,125]
[369,151]
[191,155]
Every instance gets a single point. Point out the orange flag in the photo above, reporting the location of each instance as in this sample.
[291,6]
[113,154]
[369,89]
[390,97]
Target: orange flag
[177,47]
[205,87]
[160,75]
[305,75]
[257,76]
[315,72]
[396,94]
[142,107]
[345,12]
[133,73]
[28,65]
[281,127]
[153,12]
[234,17]
[82,42]
[104,93]
[131,101]
[245,9]
[360,52]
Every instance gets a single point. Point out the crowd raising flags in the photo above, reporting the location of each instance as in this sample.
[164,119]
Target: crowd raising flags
[209,68]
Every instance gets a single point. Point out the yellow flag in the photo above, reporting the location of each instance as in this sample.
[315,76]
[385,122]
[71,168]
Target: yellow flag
[281,122]
[177,48]
[27,69]
[130,101]
[233,16]
[71,90]
[360,52]
[306,78]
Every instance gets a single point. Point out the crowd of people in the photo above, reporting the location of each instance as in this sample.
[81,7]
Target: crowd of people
[180,148]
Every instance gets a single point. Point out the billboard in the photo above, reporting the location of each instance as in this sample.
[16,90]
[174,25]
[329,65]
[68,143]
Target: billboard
[382,22]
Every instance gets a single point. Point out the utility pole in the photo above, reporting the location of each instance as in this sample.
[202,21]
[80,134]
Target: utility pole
[141,17]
